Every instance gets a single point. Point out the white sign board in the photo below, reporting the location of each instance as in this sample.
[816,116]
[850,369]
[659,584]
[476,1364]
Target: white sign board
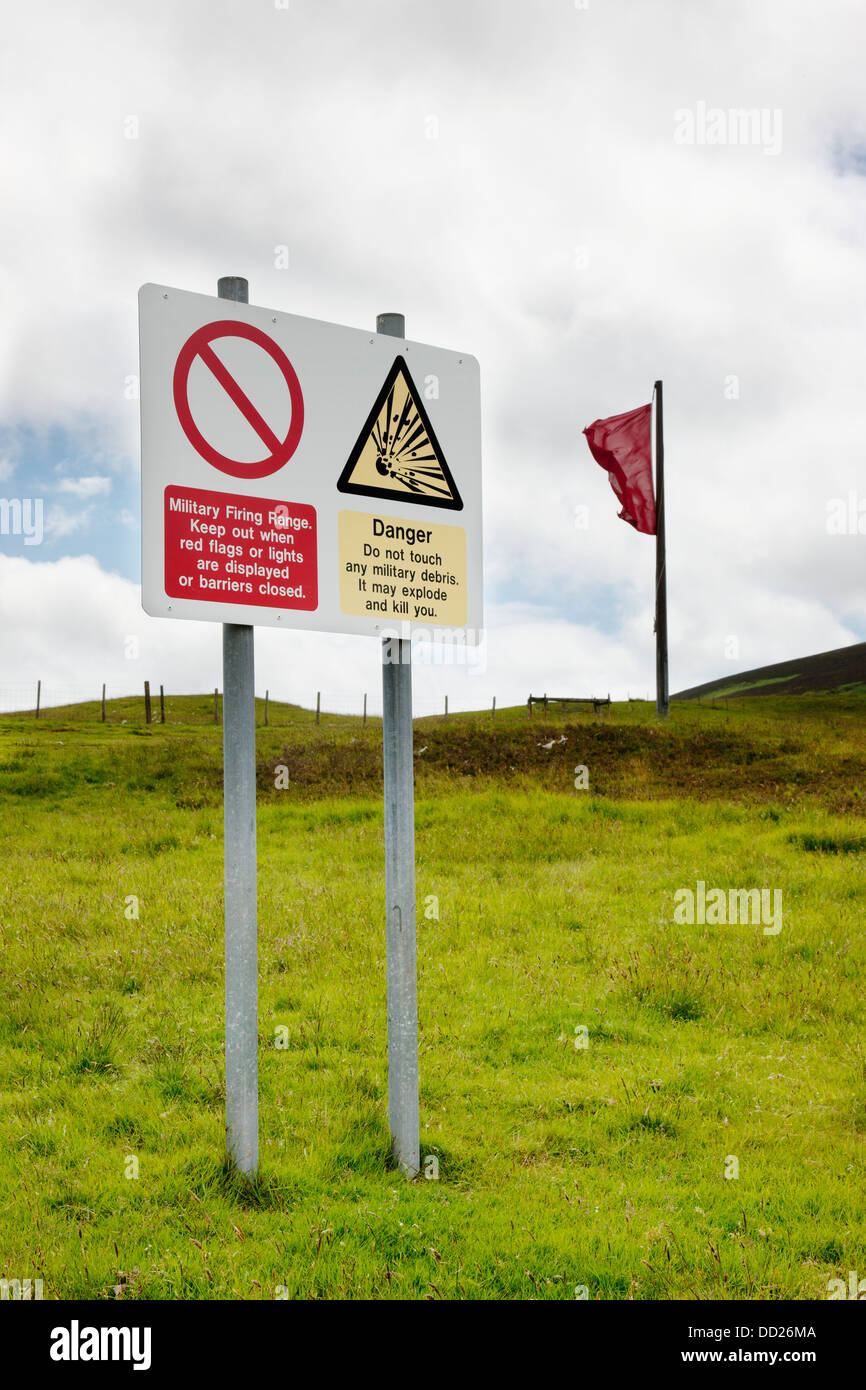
[300,474]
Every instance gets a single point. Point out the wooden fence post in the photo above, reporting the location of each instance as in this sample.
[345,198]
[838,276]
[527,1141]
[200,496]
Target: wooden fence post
[103,704]
[266,708]
[216,716]
[318,705]
[147,702]
[365,709]
[493,708]
[38,697]
[161,705]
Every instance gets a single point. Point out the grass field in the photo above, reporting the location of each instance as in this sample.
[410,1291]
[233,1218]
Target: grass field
[543,910]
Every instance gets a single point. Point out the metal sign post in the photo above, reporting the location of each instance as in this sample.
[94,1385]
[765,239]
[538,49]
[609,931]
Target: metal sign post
[302,475]
[399,792]
[241,944]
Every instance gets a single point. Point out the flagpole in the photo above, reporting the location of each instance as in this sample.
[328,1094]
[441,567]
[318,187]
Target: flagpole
[661,623]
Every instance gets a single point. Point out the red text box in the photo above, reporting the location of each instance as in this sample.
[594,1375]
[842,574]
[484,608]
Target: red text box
[224,548]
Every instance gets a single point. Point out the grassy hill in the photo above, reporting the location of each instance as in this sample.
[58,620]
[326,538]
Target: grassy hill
[706,1142]
[842,671]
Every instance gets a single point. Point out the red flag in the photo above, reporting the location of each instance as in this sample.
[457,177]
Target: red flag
[621,444]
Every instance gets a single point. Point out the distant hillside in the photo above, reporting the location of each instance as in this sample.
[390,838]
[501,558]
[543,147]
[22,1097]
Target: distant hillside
[840,669]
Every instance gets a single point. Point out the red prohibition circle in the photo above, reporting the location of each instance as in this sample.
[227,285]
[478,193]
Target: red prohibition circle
[199,345]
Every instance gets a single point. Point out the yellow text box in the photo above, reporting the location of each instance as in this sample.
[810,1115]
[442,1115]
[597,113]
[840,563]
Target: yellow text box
[392,568]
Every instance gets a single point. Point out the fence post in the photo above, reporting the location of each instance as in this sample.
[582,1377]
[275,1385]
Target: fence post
[38,696]
[266,708]
[147,702]
[318,705]
[545,704]
[103,704]
[446,706]
[365,709]
[529,708]
[161,705]
[216,717]
[493,708]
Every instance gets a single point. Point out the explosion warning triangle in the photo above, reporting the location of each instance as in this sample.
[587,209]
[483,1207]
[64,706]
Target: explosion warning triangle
[397,453]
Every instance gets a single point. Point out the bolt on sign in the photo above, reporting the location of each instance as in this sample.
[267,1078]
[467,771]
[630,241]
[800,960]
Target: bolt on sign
[305,475]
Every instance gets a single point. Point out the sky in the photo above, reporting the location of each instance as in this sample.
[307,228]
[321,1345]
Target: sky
[569,192]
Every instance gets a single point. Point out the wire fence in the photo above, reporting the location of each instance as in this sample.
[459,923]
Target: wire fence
[115,702]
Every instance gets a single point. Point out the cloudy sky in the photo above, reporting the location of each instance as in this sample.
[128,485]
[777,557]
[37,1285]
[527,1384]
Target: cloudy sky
[564,190]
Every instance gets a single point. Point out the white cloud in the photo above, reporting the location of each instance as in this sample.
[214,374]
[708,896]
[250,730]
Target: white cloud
[6,470]
[85,487]
[60,522]
[68,622]
[554,130]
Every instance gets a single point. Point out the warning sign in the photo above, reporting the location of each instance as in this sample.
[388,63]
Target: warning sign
[232,549]
[264,502]
[397,453]
[402,569]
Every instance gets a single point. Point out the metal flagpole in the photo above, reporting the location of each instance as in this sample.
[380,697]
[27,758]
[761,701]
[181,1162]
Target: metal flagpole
[661,624]
[400,881]
[239,820]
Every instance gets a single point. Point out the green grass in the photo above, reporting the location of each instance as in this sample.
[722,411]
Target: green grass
[559,1166]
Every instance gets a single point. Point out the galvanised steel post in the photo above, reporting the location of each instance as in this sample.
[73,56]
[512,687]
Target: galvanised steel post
[400,881]
[241,944]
